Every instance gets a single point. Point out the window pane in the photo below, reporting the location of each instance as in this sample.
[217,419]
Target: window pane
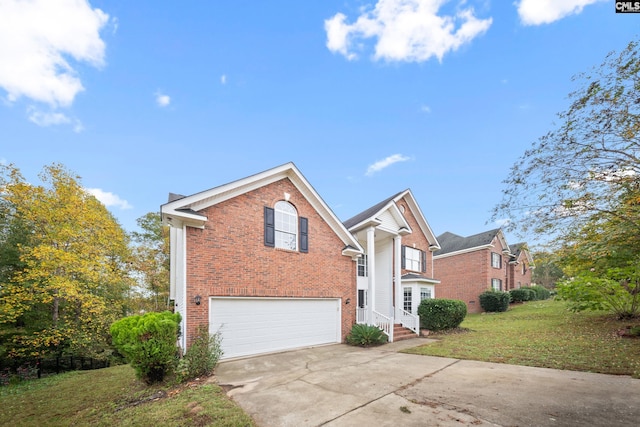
[496,260]
[412,259]
[286,226]
[362,266]
[407,299]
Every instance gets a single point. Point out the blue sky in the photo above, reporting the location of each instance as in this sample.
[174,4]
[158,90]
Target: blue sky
[145,98]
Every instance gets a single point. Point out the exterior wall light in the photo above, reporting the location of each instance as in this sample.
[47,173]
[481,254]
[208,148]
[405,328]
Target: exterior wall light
[198,299]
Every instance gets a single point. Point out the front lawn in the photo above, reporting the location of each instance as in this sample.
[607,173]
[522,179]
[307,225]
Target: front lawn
[542,334]
[114,397]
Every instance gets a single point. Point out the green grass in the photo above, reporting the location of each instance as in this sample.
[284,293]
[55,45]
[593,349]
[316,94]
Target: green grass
[108,397]
[538,333]
[542,334]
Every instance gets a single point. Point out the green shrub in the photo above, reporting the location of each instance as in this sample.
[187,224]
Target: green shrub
[520,295]
[541,292]
[533,295]
[148,342]
[366,335]
[495,301]
[201,357]
[438,314]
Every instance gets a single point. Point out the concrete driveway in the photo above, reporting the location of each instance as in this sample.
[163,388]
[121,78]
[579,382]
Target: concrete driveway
[340,385]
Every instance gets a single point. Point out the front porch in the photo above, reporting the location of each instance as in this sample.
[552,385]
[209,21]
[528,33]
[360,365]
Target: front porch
[404,325]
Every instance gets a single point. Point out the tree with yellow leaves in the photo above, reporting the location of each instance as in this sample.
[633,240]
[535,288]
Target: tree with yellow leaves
[70,279]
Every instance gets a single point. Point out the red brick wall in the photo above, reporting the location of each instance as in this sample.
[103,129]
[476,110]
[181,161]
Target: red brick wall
[465,276]
[519,279]
[418,238]
[229,258]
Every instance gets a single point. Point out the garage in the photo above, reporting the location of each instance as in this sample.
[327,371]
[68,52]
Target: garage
[252,326]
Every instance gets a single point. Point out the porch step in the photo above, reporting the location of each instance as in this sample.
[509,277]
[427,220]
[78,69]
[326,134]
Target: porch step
[401,333]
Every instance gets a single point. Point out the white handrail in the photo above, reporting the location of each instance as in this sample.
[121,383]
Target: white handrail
[385,323]
[361,315]
[408,320]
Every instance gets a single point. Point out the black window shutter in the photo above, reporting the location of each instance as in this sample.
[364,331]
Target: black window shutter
[304,234]
[423,254]
[269,227]
[403,262]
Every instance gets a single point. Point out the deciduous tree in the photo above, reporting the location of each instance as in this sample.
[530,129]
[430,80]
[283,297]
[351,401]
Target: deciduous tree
[73,275]
[584,166]
[151,255]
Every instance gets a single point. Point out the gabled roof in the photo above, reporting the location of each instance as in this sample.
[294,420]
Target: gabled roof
[452,243]
[371,215]
[521,248]
[186,209]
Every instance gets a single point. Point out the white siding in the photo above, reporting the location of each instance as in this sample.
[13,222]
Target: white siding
[388,222]
[384,277]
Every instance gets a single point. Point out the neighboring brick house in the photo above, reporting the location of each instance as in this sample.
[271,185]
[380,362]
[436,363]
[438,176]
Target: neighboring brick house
[468,266]
[521,266]
[267,263]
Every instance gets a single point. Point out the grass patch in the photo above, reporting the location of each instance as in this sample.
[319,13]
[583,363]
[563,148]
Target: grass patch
[114,397]
[542,334]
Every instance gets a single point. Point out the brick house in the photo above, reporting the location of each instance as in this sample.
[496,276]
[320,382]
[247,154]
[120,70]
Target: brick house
[396,271]
[469,266]
[267,263]
[521,266]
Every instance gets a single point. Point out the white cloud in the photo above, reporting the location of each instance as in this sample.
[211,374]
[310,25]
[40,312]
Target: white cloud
[425,109]
[538,12]
[52,118]
[406,30]
[37,38]
[109,199]
[162,100]
[223,79]
[382,164]
[47,118]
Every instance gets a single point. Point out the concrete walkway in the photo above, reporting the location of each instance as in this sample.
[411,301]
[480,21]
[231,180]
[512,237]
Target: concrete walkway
[340,385]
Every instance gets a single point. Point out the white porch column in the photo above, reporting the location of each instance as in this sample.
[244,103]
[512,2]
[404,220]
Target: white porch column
[397,276]
[371,269]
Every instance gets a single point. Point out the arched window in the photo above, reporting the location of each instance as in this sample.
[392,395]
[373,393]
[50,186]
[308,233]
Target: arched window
[286,226]
[284,229]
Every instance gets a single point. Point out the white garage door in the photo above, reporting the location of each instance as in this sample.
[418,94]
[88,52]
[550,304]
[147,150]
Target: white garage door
[262,325]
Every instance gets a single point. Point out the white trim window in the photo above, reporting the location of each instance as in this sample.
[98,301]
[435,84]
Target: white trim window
[496,284]
[363,268]
[362,298]
[286,226]
[496,260]
[425,293]
[408,299]
[413,259]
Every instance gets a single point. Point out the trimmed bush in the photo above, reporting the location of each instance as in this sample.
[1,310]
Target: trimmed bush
[148,342]
[495,301]
[366,336]
[541,292]
[533,295]
[439,314]
[201,357]
[520,295]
